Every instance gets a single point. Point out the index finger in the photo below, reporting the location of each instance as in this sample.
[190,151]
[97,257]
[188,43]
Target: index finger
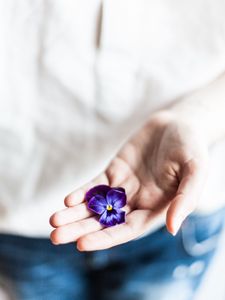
[77,196]
[137,223]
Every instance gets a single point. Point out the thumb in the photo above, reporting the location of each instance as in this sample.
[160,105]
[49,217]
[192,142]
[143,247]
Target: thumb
[187,196]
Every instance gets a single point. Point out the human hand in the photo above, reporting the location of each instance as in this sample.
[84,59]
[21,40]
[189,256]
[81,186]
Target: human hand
[162,168]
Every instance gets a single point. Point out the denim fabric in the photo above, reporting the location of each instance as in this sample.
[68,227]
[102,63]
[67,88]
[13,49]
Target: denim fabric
[156,267]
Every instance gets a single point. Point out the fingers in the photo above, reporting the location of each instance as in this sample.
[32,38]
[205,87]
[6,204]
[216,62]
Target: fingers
[131,186]
[186,199]
[77,196]
[136,224]
[118,171]
[71,232]
[70,215]
[80,211]
[76,220]
[121,175]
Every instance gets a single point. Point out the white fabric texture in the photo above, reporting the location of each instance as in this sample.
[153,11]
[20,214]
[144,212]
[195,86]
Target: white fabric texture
[73,89]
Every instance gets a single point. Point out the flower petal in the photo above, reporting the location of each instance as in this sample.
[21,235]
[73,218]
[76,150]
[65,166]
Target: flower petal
[121,189]
[120,216]
[108,218]
[116,198]
[97,204]
[112,218]
[101,189]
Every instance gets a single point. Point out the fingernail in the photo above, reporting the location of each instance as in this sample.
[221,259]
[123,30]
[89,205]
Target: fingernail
[176,225]
[174,232]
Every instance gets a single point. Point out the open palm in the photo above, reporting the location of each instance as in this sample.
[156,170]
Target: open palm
[162,169]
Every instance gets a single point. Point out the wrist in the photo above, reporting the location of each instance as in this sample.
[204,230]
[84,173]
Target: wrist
[181,117]
[204,110]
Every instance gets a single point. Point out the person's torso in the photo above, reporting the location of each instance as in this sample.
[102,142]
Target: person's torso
[78,77]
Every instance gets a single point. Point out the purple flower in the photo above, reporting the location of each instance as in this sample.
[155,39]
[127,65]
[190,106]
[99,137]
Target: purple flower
[107,202]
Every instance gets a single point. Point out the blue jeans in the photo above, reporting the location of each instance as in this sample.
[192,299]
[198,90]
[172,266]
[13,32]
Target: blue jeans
[156,267]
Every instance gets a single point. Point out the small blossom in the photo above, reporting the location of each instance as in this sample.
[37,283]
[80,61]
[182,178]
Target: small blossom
[107,202]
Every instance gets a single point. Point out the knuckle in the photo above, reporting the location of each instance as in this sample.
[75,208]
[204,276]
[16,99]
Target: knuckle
[79,229]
